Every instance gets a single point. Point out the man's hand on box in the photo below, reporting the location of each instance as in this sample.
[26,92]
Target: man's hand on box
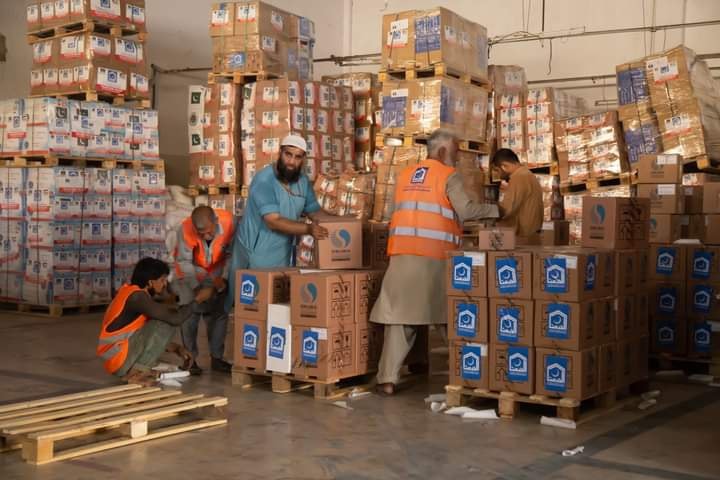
[318,232]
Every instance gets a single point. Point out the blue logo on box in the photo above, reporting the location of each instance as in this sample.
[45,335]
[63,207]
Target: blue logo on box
[507,275]
[508,324]
[556,275]
[556,372]
[665,262]
[251,338]
[310,347]
[466,315]
[701,265]
[462,273]
[277,342]
[591,272]
[702,298]
[667,300]
[248,289]
[666,333]
[470,356]
[558,321]
[702,337]
[518,364]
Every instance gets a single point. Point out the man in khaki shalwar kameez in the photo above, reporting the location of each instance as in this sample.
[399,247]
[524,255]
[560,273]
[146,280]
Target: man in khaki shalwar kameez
[430,206]
[521,198]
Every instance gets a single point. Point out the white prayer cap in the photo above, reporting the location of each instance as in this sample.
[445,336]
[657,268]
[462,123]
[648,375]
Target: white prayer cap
[294,141]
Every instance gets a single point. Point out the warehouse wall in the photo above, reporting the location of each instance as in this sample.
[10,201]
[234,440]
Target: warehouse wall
[592,55]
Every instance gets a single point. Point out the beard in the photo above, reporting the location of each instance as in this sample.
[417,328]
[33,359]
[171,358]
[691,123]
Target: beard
[289,175]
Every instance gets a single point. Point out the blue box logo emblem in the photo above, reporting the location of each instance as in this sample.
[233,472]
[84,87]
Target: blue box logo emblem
[665,262]
[701,265]
[507,275]
[277,342]
[556,275]
[518,364]
[310,347]
[556,372]
[248,289]
[702,337]
[251,338]
[508,324]
[470,362]
[466,315]
[462,273]
[558,321]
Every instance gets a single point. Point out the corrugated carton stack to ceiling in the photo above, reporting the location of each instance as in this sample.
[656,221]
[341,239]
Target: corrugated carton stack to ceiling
[350,193]
[88,61]
[509,96]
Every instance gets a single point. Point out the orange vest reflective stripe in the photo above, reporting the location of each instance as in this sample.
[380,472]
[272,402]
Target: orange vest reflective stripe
[113,346]
[211,259]
[423,222]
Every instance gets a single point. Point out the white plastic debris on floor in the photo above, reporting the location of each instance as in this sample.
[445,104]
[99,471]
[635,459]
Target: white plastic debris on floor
[471,413]
[558,422]
[574,451]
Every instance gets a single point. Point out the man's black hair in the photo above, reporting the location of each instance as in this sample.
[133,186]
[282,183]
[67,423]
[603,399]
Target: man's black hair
[504,155]
[148,269]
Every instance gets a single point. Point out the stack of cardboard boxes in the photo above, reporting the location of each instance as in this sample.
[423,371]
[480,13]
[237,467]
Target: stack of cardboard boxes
[348,194]
[253,37]
[313,324]
[573,206]
[88,61]
[509,94]
[366,91]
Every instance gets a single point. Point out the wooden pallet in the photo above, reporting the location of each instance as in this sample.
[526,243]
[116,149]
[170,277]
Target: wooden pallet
[195,190]
[95,96]
[702,164]
[414,71]
[552,169]
[53,310]
[709,365]
[420,138]
[508,403]
[240,78]
[85,26]
[69,426]
[54,160]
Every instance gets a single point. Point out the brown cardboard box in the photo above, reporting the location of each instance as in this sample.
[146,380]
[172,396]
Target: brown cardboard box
[625,365]
[469,365]
[512,322]
[642,352]
[367,289]
[467,274]
[696,228]
[572,275]
[342,249]
[510,275]
[370,342]
[711,230]
[256,289]
[703,264]
[324,353]
[615,223]
[667,228]
[668,263]
[693,199]
[250,338]
[643,272]
[667,299]
[627,264]
[555,233]
[664,198]
[660,169]
[606,273]
[699,179]
[512,369]
[468,319]
[605,320]
[642,307]
[703,300]
[375,239]
[496,238]
[322,299]
[566,326]
[669,334]
[608,362]
[711,198]
[626,320]
[566,374]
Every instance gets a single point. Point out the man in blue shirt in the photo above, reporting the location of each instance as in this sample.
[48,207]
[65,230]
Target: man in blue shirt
[279,194]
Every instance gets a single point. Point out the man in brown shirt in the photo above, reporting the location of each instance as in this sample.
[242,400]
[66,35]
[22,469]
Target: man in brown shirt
[521,198]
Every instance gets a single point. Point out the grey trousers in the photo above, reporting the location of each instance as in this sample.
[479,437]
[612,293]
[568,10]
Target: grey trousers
[146,346]
[213,312]
[397,344]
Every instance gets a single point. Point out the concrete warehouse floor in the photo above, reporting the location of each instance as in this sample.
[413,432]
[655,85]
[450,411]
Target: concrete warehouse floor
[293,436]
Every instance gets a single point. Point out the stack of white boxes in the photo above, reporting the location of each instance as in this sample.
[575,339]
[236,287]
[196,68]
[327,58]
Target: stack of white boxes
[12,233]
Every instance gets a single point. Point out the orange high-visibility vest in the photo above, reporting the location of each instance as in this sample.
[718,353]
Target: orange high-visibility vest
[113,346]
[423,222]
[210,259]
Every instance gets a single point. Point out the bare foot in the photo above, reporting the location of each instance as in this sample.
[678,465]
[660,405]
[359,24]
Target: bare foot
[386,388]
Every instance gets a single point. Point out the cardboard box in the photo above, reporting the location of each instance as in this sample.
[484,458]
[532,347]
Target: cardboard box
[627,264]
[615,223]
[571,275]
[566,374]
[512,369]
[693,199]
[342,249]
[370,344]
[496,238]
[467,274]
[510,275]
[375,241]
[664,198]
[512,322]
[660,169]
[625,365]
[468,319]
[555,233]
[667,299]
[608,371]
[668,263]
[669,334]
[279,339]
[667,228]
[324,353]
[367,290]
[703,264]
[642,352]
[322,299]
[626,317]
[469,365]
[566,326]
[711,230]
[256,289]
[699,179]
[703,300]
[643,272]
[642,307]
[605,320]
[711,198]
[250,337]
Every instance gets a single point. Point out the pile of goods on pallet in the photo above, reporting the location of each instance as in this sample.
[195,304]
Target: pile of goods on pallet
[83,46]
